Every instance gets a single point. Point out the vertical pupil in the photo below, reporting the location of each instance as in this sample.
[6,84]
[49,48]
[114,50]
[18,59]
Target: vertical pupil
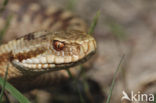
[58,45]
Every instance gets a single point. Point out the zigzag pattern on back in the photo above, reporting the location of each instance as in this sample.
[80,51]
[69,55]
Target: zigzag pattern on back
[33,17]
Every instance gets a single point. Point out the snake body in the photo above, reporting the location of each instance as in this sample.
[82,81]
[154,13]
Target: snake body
[55,40]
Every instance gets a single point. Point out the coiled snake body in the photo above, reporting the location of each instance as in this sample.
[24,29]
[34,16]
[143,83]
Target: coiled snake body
[55,40]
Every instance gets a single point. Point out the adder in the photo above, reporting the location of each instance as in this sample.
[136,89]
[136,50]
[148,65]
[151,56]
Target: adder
[48,42]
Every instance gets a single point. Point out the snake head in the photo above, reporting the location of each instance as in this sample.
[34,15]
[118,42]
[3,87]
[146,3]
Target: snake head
[47,51]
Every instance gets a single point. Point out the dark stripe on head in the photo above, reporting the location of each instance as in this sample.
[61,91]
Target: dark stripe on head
[30,54]
[29,36]
[4,57]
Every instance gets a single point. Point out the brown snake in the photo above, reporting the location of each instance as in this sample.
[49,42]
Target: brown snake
[55,40]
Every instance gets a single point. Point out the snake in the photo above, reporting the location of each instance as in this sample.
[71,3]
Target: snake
[41,43]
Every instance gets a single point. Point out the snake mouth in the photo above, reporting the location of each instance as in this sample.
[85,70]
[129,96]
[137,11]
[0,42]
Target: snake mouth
[45,67]
[68,65]
[52,62]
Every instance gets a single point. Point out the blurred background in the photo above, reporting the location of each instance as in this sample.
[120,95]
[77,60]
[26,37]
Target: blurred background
[125,27]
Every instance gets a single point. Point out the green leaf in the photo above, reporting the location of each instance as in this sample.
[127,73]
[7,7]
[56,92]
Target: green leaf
[14,92]
[71,5]
[114,79]
[5,28]
[154,98]
[70,74]
[116,29]
[3,87]
[5,2]
[93,25]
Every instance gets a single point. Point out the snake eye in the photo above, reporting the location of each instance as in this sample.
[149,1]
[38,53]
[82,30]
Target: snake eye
[58,45]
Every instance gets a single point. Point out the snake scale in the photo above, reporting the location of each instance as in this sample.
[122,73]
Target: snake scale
[55,40]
